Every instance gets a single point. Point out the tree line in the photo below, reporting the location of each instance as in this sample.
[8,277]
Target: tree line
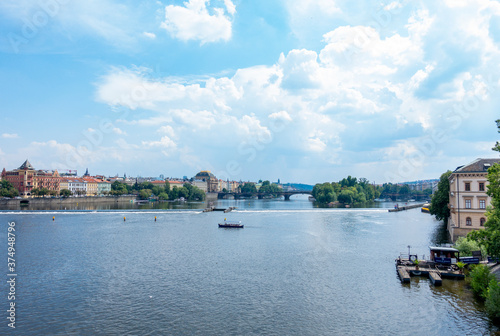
[349,190]
[146,190]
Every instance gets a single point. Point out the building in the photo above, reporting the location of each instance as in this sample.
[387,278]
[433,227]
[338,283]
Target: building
[26,178]
[103,187]
[210,179]
[468,198]
[77,185]
[201,184]
[92,185]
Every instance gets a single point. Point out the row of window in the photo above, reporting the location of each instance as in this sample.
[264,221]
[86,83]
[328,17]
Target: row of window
[468,221]
[468,204]
[481,186]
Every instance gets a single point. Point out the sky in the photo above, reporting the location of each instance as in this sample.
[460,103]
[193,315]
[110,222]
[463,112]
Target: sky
[301,91]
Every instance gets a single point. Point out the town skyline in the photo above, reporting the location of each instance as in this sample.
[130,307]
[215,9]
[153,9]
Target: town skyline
[301,91]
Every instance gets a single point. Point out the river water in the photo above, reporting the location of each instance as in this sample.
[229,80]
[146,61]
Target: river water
[293,270]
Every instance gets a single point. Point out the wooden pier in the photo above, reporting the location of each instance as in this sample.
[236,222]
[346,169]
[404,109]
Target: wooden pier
[407,207]
[435,274]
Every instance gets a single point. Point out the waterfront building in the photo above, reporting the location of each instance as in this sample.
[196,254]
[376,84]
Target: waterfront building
[103,187]
[26,178]
[92,185]
[209,178]
[468,199]
[77,185]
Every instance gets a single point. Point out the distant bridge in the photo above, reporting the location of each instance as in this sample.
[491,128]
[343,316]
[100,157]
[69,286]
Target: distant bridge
[286,194]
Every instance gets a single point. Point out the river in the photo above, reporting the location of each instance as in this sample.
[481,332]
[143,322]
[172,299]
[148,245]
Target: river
[292,270]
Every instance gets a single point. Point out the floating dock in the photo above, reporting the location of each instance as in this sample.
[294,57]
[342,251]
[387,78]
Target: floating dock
[407,207]
[435,274]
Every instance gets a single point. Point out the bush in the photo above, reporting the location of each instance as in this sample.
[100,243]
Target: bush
[466,245]
[480,278]
[493,300]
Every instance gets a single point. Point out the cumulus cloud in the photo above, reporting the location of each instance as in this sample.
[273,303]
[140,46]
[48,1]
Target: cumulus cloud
[164,142]
[196,21]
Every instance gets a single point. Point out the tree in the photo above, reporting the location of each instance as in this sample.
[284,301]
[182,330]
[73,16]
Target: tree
[466,245]
[163,196]
[167,186]
[7,189]
[144,194]
[491,235]
[65,193]
[346,196]
[439,203]
[249,188]
[119,188]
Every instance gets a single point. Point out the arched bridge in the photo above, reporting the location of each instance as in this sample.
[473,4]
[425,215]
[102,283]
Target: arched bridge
[286,194]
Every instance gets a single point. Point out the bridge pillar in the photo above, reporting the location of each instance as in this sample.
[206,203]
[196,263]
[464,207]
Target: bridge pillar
[287,197]
[260,196]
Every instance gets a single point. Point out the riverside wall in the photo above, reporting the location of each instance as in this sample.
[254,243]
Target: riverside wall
[49,201]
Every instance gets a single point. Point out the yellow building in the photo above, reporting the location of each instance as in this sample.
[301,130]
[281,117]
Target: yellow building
[468,198]
[92,186]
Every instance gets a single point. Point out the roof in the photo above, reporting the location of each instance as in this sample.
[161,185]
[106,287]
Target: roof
[444,249]
[477,166]
[26,165]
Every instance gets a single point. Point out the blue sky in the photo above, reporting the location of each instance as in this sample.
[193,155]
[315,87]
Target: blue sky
[304,91]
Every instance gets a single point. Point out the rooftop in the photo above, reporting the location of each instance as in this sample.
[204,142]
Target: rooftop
[477,166]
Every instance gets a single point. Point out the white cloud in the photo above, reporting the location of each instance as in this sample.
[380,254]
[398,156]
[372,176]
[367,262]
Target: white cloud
[118,131]
[149,35]
[197,22]
[164,142]
[10,136]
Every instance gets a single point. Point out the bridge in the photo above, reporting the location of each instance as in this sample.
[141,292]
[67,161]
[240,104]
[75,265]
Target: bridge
[286,194]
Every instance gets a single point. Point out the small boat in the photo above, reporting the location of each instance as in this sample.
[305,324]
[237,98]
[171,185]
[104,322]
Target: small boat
[426,208]
[229,224]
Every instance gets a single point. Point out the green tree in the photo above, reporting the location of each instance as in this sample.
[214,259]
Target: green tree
[439,203]
[145,193]
[324,193]
[167,186]
[65,193]
[7,189]
[249,188]
[119,188]
[163,196]
[491,235]
[346,196]
[466,245]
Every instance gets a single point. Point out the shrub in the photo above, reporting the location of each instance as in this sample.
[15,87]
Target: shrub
[493,300]
[480,278]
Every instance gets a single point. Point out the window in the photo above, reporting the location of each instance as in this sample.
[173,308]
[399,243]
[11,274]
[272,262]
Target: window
[481,186]
[482,221]
[467,186]
[468,221]
[482,204]
[467,204]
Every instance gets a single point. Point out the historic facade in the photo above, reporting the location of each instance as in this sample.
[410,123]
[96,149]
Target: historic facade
[26,178]
[210,179]
[468,198]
